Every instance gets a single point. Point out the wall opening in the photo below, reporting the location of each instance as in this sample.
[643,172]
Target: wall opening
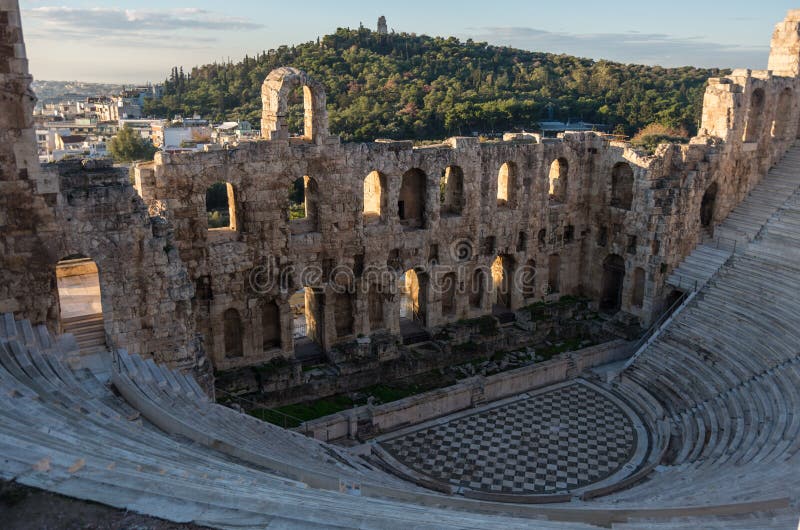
[755,116]
[622,186]
[451,191]
[232,324]
[613,281]
[507,185]
[343,313]
[637,297]
[448,289]
[553,274]
[477,288]
[411,202]
[271,325]
[304,205]
[296,108]
[558,180]
[374,198]
[221,206]
[780,125]
[412,296]
[522,242]
[308,310]
[80,302]
[502,274]
[707,206]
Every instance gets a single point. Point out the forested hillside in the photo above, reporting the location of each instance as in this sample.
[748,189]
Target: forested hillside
[409,86]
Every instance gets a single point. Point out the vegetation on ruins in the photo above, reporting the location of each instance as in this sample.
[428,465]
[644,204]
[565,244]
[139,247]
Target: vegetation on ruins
[409,86]
[128,146]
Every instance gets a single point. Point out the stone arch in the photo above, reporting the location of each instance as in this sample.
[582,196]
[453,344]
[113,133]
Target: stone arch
[232,324]
[613,281]
[80,300]
[374,198]
[622,185]
[221,206]
[411,202]
[637,296]
[507,185]
[708,205]
[275,107]
[413,296]
[558,180]
[553,274]
[783,112]
[452,191]
[271,325]
[755,115]
[304,205]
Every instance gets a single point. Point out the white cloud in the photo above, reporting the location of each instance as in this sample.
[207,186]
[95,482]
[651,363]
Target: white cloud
[630,47]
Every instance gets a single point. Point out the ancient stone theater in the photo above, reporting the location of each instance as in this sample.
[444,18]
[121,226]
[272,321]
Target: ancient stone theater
[129,321]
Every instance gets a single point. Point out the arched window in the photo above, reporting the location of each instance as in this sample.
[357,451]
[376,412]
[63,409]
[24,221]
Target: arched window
[637,297]
[303,203]
[221,206]
[755,116]
[374,198]
[780,125]
[452,191]
[507,185]
[271,326]
[233,333]
[411,203]
[558,180]
[622,186]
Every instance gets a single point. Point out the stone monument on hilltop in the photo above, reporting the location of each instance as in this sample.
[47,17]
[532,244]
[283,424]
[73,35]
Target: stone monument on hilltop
[382,29]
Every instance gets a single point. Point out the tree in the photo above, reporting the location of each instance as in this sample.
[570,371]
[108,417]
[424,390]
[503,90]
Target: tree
[128,146]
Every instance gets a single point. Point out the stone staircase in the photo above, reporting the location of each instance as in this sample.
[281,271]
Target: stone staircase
[741,226]
[89,332]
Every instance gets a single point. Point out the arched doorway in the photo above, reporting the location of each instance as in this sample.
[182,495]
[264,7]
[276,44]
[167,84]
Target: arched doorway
[755,116]
[80,302]
[507,185]
[707,205]
[221,206]
[613,281]
[502,274]
[303,205]
[412,299]
[374,198]
[622,186]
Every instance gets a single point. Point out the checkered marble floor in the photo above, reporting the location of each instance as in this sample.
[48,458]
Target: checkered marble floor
[555,441]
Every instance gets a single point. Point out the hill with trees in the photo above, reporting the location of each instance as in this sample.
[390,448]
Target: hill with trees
[404,85]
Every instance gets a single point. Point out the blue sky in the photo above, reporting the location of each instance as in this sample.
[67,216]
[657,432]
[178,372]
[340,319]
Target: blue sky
[121,41]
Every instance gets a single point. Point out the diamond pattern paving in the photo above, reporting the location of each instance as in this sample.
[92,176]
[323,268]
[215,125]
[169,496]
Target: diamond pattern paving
[556,441]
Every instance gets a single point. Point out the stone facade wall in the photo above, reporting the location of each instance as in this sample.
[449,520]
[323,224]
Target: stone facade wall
[621,217]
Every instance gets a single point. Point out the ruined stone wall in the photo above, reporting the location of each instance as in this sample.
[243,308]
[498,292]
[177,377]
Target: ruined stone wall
[90,209]
[619,209]
[166,278]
